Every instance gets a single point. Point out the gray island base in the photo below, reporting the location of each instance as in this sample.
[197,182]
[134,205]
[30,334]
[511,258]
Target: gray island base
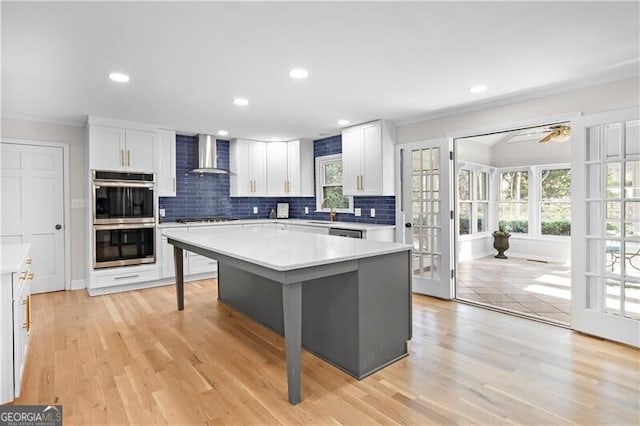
[346,302]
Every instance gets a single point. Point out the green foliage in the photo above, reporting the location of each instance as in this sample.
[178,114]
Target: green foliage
[556,227]
[517,226]
[463,228]
[556,184]
[334,198]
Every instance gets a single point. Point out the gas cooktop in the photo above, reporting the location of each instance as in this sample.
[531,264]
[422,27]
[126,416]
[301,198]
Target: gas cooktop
[205,219]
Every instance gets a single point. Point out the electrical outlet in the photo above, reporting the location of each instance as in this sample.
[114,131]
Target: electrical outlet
[161,212]
[306,210]
[255,210]
[373,212]
[357,212]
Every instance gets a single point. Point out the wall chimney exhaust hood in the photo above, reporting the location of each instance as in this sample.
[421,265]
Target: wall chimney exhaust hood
[208,156]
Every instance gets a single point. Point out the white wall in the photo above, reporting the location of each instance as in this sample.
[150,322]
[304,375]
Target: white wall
[474,152]
[605,97]
[530,153]
[74,136]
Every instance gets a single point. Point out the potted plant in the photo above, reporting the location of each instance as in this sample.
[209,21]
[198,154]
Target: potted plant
[501,242]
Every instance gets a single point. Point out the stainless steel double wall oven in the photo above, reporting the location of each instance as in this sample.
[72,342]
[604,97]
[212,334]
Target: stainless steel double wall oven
[124,221]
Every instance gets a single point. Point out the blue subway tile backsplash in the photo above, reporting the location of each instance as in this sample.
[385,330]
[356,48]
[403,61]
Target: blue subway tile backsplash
[208,195]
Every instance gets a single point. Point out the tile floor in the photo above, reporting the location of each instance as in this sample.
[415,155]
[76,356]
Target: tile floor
[532,288]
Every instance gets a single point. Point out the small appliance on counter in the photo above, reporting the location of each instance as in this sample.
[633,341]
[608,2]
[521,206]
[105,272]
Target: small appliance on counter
[282,211]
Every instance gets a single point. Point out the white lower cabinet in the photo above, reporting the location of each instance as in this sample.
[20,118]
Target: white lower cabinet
[15,323]
[112,277]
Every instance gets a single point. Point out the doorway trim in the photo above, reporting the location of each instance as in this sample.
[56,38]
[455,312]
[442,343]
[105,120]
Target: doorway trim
[559,118]
[66,197]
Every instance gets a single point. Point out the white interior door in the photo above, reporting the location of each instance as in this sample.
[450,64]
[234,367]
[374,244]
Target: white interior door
[32,209]
[606,225]
[424,213]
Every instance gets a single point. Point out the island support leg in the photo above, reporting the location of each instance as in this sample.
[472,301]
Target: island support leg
[177,256]
[292,307]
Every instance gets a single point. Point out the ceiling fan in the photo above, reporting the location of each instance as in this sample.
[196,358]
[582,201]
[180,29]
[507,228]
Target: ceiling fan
[557,133]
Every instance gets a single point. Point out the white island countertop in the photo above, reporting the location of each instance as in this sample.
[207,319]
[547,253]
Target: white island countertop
[283,250]
[12,256]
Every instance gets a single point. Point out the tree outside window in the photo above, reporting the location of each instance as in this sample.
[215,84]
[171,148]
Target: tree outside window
[464,202]
[513,207]
[482,197]
[329,185]
[555,205]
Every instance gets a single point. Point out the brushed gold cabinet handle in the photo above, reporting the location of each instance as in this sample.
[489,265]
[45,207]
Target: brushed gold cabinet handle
[122,157]
[128,157]
[28,261]
[23,276]
[30,276]
[174,184]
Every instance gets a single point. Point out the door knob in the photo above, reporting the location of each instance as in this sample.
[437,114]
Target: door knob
[408,225]
[58,226]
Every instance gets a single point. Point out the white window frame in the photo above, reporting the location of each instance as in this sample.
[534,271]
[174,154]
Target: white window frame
[534,198]
[474,169]
[320,163]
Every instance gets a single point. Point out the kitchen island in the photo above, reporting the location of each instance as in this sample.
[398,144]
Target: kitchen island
[346,300]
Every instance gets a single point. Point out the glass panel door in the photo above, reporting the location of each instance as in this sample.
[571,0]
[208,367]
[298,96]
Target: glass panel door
[424,210]
[606,204]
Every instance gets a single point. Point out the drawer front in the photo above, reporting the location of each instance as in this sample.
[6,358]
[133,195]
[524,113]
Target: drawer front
[129,277]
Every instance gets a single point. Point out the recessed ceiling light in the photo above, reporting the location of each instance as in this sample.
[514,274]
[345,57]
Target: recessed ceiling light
[343,122]
[119,77]
[298,73]
[222,133]
[478,88]
[241,101]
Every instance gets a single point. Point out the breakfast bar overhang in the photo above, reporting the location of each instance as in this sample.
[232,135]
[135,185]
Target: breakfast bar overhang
[348,301]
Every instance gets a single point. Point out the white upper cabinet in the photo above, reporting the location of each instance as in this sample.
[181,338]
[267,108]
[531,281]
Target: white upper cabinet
[290,168]
[166,163]
[368,159]
[120,148]
[248,167]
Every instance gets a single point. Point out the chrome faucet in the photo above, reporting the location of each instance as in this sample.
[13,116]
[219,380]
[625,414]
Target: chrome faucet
[332,209]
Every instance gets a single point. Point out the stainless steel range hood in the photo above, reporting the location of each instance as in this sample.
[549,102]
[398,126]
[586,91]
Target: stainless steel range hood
[208,156]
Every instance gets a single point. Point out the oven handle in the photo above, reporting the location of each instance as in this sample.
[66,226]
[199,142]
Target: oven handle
[122,184]
[123,226]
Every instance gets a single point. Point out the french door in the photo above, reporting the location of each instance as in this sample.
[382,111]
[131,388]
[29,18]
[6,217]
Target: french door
[606,225]
[424,213]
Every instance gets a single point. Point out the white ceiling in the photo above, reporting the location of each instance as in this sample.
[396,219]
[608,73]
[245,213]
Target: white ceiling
[396,61]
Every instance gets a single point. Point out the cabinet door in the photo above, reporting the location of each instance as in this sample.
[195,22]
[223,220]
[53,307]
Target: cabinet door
[371,176]
[139,150]
[277,175]
[294,178]
[258,167]
[107,150]
[351,160]
[241,183]
[166,163]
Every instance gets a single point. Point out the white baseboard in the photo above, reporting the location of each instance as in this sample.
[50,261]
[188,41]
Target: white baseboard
[78,284]
[140,286]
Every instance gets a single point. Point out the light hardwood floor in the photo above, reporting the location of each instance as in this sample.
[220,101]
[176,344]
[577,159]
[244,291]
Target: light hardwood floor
[133,358]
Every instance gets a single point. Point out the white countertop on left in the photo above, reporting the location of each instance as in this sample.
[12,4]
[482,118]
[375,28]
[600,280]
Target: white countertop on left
[12,256]
[283,250]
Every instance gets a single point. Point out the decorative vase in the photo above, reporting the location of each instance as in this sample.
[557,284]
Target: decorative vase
[501,243]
